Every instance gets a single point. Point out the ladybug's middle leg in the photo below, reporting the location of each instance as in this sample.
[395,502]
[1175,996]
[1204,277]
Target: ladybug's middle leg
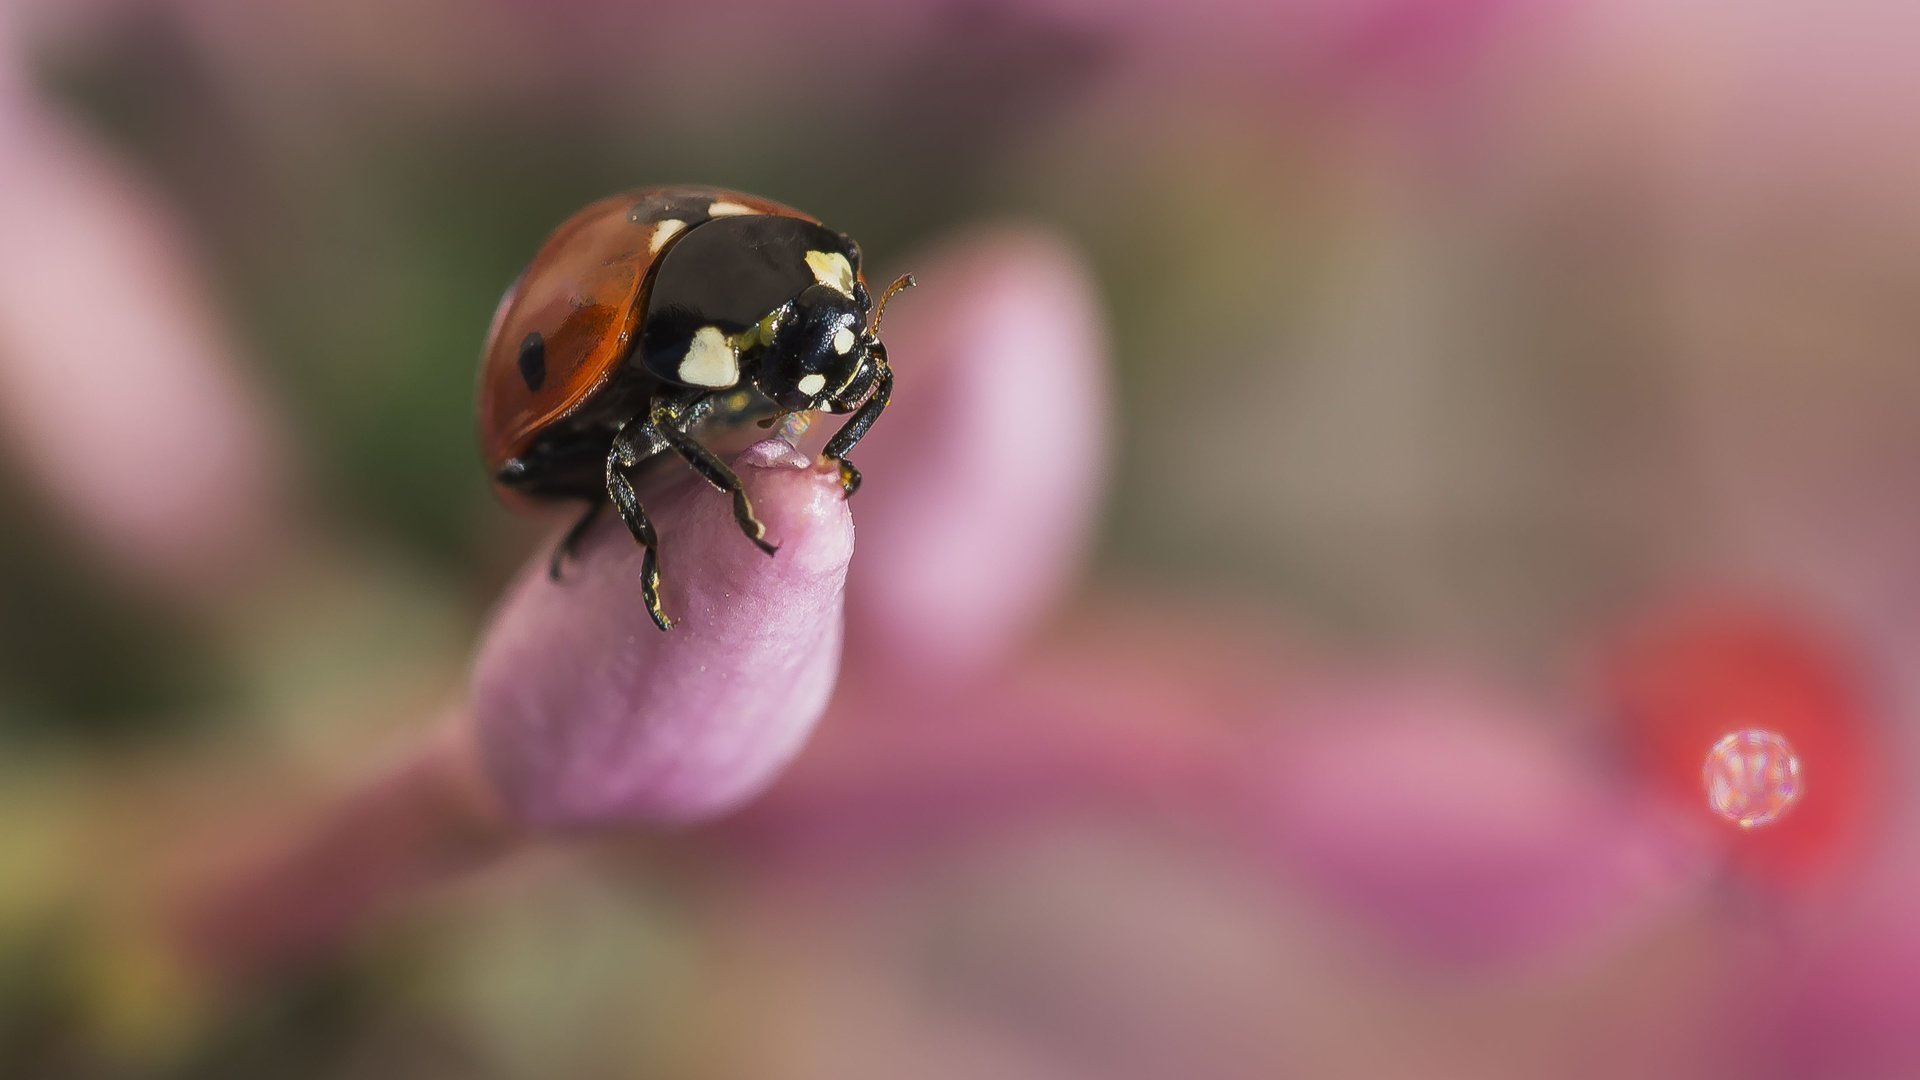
[666,422]
[625,455]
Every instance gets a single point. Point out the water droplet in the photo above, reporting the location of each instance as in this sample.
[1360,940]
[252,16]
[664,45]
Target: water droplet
[1752,777]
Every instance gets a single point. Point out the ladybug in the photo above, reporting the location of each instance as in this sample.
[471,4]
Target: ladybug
[653,316]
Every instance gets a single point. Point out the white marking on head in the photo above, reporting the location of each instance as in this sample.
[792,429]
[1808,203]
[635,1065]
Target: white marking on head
[843,341]
[811,384]
[729,209]
[831,268]
[663,232]
[710,360]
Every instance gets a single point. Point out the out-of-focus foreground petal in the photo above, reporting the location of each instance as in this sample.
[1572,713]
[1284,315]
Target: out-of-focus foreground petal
[588,715]
[1129,706]
[1442,817]
[983,477]
[119,395]
[1840,1001]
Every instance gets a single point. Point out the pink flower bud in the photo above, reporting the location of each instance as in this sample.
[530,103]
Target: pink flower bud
[588,715]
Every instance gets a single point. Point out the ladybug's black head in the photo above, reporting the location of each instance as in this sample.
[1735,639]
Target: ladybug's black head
[822,355]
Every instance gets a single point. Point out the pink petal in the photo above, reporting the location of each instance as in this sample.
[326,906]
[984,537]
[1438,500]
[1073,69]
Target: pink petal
[1129,708]
[1837,999]
[1450,822]
[589,715]
[119,393]
[984,476]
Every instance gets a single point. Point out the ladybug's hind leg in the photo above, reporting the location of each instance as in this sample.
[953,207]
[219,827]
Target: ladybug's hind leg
[569,545]
[625,455]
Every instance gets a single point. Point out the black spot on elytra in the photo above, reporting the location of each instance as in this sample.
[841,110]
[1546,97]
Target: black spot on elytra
[533,360]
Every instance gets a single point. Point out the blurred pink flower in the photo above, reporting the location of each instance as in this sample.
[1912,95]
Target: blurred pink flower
[991,460]
[1839,1000]
[1451,819]
[120,395]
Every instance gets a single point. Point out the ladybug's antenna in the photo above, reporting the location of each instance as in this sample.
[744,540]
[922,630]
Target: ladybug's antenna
[904,281]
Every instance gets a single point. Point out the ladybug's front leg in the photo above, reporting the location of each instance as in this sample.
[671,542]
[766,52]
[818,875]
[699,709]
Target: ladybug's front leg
[850,433]
[668,422]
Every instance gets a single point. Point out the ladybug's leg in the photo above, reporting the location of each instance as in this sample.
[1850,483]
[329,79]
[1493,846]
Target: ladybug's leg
[850,433]
[666,424]
[622,457]
[570,543]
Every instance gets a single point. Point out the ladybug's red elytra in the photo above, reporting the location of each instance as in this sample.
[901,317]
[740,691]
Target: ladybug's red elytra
[648,313]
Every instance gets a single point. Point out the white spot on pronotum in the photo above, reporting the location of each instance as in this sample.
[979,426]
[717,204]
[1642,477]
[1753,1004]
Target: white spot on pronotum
[710,360]
[831,268]
[843,341]
[663,232]
[811,384]
[728,209]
